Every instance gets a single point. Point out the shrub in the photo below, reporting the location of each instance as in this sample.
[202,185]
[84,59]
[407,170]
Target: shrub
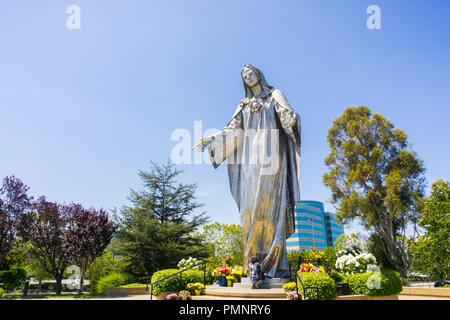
[2,293]
[387,281]
[326,285]
[290,286]
[175,284]
[50,287]
[133,285]
[336,276]
[353,264]
[112,281]
[187,263]
[197,276]
[14,277]
[325,258]
[415,278]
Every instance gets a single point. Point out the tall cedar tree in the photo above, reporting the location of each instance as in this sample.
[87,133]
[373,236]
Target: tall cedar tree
[14,203]
[158,229]
[375,178]
[87,235]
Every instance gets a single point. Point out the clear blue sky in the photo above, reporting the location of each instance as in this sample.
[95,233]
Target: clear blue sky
[81,111]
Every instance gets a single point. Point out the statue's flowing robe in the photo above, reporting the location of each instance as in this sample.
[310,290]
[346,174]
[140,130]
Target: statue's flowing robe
[262,149]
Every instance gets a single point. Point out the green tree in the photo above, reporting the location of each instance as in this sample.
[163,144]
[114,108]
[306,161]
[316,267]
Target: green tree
[14,277]
[108,263]
[223,241]
[158,229]
[431,252]
[348,243]
[376,178]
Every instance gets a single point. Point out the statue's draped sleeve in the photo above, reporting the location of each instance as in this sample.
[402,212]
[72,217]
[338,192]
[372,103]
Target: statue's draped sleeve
[290,122]
[225,142]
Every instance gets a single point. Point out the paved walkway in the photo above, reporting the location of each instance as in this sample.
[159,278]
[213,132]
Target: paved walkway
[146,297]
[408,297]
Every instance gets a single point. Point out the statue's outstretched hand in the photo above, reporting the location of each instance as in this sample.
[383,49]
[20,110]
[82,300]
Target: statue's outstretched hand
[201,144]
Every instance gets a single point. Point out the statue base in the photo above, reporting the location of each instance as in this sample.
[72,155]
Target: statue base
[269,283]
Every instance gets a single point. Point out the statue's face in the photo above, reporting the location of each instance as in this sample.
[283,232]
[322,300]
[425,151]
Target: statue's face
[250,77]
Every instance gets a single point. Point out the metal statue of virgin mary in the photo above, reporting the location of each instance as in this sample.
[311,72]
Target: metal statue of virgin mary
[261,145]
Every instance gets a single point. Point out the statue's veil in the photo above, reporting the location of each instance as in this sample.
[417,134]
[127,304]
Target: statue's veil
[267,88]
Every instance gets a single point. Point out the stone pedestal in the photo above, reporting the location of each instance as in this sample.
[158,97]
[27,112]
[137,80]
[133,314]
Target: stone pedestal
[268,283]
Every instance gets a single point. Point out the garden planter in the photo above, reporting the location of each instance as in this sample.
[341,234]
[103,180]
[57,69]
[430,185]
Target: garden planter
[222,281]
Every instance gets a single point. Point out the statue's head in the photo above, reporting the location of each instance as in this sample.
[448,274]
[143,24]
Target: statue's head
[252,76]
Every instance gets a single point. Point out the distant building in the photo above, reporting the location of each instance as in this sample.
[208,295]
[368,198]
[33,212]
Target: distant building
[313,227]
[334,230]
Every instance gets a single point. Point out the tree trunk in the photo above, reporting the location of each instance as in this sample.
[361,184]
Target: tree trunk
[80,290]
[58,284]
[394,253]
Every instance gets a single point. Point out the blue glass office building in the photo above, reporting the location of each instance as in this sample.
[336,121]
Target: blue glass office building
[313,227]
[333,229]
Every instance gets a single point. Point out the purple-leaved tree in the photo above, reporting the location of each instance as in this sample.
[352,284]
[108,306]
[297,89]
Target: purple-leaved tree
[88,234]
[45,227]
[14,204]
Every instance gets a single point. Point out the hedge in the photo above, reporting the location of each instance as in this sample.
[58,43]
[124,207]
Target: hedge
[337,276]
[389,283]
[175,284]
[326,285]
[133,285]
[113,280]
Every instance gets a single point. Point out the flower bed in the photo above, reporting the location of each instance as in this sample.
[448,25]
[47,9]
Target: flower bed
[359,263]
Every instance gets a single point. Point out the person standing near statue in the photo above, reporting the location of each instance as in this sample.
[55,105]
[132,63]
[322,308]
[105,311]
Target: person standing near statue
[261,145]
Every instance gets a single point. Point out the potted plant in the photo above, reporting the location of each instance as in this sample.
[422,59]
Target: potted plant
[222,273]
[185,295]
[230,280]
[237,274]
[195,288]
